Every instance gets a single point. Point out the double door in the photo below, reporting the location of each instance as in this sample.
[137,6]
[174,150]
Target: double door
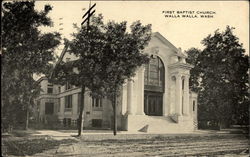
[153,102]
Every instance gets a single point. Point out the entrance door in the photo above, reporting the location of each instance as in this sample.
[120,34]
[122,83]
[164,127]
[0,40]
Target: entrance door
[153,103]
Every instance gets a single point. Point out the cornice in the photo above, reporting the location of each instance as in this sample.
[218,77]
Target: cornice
[181,65]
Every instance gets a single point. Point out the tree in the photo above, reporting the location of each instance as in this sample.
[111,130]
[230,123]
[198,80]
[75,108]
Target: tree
[195,73]
[223,79]
[123,57]
[26,51]
[107,55]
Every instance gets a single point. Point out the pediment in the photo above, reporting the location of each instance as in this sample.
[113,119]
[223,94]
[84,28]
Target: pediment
[159,44]
[163,41]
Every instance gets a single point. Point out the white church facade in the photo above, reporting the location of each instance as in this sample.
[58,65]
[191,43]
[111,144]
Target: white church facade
[156,99]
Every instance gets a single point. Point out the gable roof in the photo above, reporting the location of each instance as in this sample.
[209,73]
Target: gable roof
[165,41]
[63,53]
[60,58]
[169,44]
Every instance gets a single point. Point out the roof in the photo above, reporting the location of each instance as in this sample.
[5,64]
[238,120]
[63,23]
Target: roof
[169,44]
[60,58]
[165,41]
[63,53]
[42,78]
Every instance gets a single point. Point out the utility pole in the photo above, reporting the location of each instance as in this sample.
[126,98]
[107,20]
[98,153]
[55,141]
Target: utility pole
[87,16]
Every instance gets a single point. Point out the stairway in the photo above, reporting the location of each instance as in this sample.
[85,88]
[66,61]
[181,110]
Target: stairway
[159,124]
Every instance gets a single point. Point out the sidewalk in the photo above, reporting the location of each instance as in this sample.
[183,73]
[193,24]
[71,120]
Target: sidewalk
[104,134]
[65,134]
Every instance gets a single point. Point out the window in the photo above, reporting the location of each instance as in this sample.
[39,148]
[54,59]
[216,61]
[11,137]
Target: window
[50,89]
[38,105]
[68,86]
[59,89]
[96,102]
[59,105]
[66,122]
[49,108]
[68,102]
[193,105]
[74,122]
[97,123]
[179,59]
[78,102]
[154,75]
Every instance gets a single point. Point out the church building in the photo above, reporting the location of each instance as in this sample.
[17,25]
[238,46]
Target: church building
[156,100]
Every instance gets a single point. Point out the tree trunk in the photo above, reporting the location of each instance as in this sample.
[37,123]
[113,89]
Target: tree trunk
[27,115]
[27,118]
[114,116]
[80,119]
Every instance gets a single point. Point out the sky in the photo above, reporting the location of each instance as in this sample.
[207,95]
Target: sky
[182,32]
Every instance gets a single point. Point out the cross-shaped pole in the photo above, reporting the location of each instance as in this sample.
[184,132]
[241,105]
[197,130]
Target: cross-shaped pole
[88,14]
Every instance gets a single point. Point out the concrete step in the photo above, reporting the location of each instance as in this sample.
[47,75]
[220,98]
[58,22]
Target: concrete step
[158,124]
[166,125]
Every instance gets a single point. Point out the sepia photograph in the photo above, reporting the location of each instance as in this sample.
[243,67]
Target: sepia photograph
[124,78]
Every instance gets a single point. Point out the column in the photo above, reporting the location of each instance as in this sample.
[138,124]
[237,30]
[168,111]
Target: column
[129,96]
[140,102]
[178,96]
[124,97]
[186,95]
[172,96]
[74,104]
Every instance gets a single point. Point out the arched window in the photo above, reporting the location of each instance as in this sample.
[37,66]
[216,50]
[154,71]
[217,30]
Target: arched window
[154,75]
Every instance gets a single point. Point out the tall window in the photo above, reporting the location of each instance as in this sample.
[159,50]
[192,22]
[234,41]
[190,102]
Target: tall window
[50,88]
[59,105]
[96,103]
[49,108]
[78,102]
[68,102]
[154,75]
[38,105]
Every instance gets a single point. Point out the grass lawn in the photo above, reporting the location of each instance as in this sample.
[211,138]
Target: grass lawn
[21,143]
[126,145]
